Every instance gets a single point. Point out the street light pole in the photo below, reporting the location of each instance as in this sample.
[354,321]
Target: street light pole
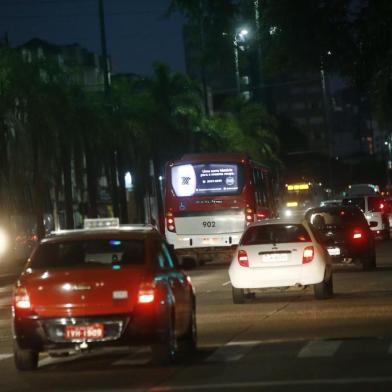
[103,47]
[327,119]
[388,143]
[237,65]
[239,37]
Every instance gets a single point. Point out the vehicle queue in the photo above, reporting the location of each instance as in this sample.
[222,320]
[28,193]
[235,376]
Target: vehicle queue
[123,285]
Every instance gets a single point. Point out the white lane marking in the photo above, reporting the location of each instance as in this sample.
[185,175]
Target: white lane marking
[256,384]
[226,283]
[5,356]
[232,351]
[320,348]
[5,301]
[6,289]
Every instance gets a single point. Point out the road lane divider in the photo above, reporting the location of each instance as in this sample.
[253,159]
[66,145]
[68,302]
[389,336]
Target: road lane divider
[5,356]
[232,351]
[320,349]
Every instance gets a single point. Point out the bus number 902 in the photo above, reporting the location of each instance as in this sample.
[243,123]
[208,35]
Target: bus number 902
[208,224]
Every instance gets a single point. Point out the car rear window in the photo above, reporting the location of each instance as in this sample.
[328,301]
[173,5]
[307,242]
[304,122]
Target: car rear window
[89,253]
[275,234]
[355,201]
[338,218]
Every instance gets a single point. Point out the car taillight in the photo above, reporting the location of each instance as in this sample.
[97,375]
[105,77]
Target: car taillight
[357,235]
[243,258]
[21,298]
[249,215]
[308,255]
[170,224]
[146,293]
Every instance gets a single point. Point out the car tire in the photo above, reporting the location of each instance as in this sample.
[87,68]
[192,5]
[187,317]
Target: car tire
[369,262]
[324,289]
[188,343]
[165,352]
[25,360]
[238,295]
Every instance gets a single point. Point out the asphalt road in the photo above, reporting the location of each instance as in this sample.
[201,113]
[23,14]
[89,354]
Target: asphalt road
[281,340]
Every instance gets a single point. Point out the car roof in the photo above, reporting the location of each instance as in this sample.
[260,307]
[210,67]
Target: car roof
[330,208]
[280,221]
[124,232]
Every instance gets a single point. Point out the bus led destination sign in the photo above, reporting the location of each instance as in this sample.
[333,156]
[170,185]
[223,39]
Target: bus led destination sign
[205,179]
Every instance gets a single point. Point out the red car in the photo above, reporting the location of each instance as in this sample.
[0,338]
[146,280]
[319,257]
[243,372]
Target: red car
[84,289]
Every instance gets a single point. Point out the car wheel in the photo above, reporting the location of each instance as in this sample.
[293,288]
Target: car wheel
[238,295]
[166,351]
[324,289]
[25,360]
[369,262]
[188,343]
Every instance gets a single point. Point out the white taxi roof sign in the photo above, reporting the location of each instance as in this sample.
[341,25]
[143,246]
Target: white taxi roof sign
[101,223]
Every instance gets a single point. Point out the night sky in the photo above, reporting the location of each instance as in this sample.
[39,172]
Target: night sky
[138,33]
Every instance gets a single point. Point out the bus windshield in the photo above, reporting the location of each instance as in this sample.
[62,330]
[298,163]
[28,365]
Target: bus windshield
[207,179]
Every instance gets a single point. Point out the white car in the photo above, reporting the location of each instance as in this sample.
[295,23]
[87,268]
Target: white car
[280,253]
[375,210]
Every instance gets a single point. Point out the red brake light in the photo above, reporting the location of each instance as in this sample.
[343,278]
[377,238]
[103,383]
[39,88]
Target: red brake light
[308,255]
[357,235]
[249,215]
[170,224]
[243,258]
[382,206]
[146,293]
[21,298]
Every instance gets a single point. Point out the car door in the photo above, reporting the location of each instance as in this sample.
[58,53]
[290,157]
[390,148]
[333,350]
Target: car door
[177,284]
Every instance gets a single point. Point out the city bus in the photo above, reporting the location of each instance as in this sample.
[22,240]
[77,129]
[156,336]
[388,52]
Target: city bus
[298,197]
[210,199]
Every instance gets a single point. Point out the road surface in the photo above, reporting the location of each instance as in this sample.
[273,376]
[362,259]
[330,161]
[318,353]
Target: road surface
[280,341]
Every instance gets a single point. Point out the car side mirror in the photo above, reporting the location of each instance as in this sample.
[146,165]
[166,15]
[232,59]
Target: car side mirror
[373,224]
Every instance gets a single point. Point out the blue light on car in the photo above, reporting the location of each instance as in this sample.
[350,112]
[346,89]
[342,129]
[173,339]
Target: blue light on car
[115,242]
[116,267]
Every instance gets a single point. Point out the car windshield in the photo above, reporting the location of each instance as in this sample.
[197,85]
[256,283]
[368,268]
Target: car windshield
[88,253]
[355,201]
[275,234]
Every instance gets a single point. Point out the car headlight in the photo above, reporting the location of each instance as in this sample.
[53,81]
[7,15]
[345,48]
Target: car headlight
[288,213]
[4,241]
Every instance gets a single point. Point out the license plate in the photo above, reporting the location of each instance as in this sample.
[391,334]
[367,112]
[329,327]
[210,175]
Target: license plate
[275,257]
[333,251]
[87,331]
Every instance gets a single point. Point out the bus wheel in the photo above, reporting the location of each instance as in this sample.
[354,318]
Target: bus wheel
[238,295]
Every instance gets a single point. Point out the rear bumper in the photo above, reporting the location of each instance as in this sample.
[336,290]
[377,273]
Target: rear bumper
[288,276]
[43,334]
[205,242]
[347,252]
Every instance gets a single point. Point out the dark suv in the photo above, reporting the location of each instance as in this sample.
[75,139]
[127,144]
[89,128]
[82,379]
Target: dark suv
[345,233]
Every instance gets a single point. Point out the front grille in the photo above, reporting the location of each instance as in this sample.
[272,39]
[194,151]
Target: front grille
[113,328]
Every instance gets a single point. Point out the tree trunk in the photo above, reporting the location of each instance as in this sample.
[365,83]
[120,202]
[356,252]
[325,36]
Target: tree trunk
[92,209]
[38,192]
[113,182]
[67,173]
[122,189]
